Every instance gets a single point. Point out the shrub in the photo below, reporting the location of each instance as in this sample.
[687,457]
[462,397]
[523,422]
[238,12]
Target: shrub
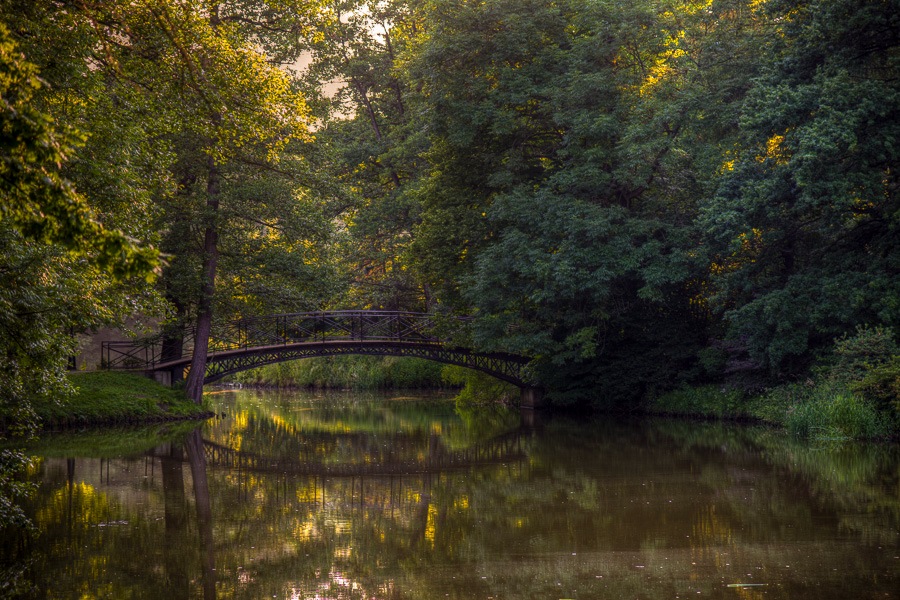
[882,383]
[867,363]
[709,400]
[479,389]
[855,355]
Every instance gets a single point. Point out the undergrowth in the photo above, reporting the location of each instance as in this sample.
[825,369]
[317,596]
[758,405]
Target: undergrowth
[823,411]
[348,372]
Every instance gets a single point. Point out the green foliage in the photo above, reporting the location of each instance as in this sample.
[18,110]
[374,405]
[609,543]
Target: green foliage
[773,405]
[12,491]
[348,372]
[35,199]
[803,221]
[61,270]
[478,389]
[882,383]
[868,363]
[855,355]
[712,360]
[823,411]
[540,213]
[589,205]
[371,142]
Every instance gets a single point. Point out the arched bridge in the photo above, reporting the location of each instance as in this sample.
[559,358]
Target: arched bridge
[253,342]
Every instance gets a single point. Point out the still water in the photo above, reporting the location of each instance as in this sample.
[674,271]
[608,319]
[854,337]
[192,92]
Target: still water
[348,496]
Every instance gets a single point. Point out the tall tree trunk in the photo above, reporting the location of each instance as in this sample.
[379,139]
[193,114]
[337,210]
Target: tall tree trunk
[194,385]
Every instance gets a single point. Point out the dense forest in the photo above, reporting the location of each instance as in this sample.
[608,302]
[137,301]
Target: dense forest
[640,195]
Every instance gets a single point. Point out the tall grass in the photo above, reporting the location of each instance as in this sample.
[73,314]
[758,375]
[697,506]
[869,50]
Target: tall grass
[837,414]
[823,411]
[348,372]
[702,401]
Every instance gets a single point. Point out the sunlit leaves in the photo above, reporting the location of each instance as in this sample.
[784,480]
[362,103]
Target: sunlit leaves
[36,199]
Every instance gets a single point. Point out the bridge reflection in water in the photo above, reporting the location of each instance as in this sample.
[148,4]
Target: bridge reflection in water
[399,489]
[286,493]
[501,450]
[249,343]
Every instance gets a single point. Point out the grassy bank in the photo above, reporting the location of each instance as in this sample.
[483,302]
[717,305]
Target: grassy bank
[104,398]
[820,411]
[348,372]
[853,393]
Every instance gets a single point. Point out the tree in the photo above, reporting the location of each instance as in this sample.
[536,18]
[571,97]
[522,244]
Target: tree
[370,123]
[61,269]
[217,116]
[37,200]
[804,220]
[224,113]
[561,199]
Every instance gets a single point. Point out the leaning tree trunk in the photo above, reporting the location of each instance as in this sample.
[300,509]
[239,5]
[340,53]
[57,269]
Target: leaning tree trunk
[194,384]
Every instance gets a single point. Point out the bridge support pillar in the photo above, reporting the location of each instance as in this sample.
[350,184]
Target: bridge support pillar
[533,398]
[161,377]
[167,378]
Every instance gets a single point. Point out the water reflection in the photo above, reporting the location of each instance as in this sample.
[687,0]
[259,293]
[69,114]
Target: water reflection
[344,497]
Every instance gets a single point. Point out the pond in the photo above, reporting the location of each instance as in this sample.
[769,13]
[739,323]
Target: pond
[354,496]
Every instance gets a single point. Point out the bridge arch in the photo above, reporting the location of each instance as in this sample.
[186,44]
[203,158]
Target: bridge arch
[249,343]
[505,367]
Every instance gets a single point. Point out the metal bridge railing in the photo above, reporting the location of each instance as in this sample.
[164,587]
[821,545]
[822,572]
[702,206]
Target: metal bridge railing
[283,329]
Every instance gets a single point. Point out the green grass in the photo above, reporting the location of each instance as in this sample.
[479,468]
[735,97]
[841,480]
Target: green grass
[111,398]
[835,414]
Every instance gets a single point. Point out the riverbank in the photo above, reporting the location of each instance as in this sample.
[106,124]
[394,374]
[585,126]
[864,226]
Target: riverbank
[106,398]
[817,411]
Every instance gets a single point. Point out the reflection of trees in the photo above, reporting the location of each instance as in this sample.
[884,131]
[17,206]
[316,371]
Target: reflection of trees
[193,446]
[113,527]
[367,460]
[94,536]
[788,479]
[176,523]
[595,511]
[339,428]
